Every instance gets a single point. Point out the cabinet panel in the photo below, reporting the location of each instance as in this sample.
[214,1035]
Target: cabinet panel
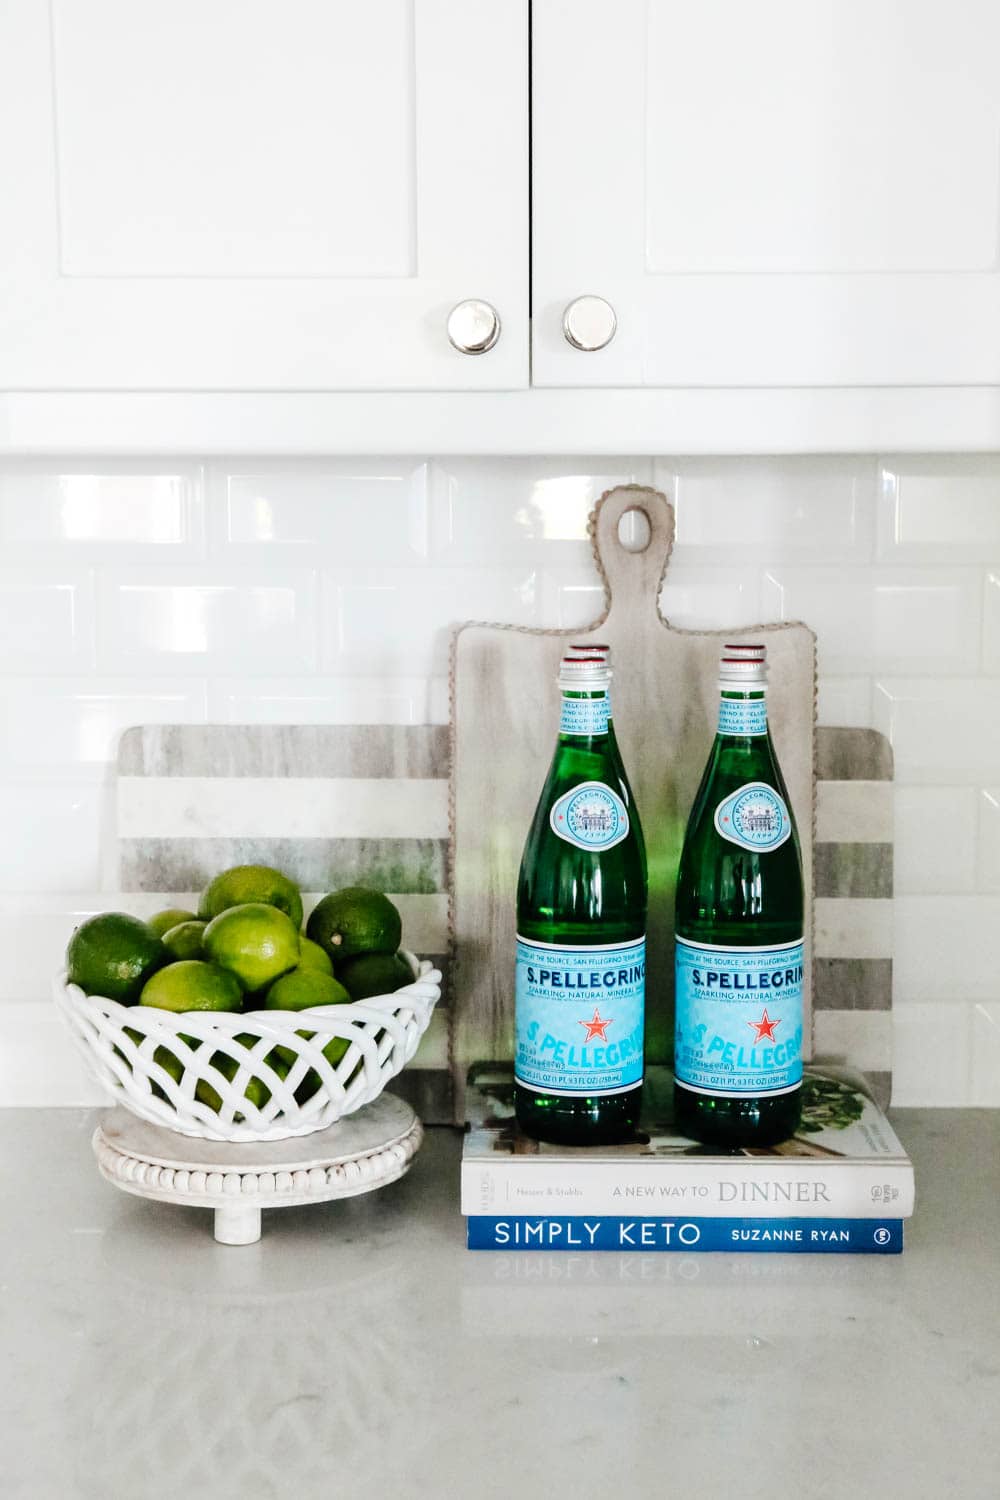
[777,195]
[260,194]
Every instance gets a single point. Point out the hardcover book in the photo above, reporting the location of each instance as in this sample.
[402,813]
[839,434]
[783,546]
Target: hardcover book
[680,1234]
[845,1162]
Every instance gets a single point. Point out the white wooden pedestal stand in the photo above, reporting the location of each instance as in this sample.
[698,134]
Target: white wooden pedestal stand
[362,1152]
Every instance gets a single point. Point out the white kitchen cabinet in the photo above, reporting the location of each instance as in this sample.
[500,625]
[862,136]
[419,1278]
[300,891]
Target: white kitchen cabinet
[793,193]
[261,195]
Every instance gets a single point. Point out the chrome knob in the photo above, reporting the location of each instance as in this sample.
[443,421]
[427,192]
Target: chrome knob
[589,323]
[473,326]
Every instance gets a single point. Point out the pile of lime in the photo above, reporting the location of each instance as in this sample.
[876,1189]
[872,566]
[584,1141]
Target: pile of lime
[245,949]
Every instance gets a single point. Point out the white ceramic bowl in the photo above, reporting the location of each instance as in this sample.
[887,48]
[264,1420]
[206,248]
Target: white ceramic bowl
[121,1043]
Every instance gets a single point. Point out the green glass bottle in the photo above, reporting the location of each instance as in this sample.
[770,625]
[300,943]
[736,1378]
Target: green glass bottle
[581,931]
[739,929]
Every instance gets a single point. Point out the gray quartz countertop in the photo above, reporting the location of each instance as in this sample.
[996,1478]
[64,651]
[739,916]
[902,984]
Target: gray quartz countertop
[359,1350]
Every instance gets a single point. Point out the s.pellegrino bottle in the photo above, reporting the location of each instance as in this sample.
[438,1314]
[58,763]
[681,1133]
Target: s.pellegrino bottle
[581,930]
[739,927]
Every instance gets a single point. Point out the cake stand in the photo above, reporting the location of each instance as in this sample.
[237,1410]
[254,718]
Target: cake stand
[365,1150]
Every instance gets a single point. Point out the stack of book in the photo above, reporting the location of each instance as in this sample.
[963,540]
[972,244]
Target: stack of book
[843,1184]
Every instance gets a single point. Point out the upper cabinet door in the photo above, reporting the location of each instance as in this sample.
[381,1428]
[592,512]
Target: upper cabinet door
[262,194]
[783,193]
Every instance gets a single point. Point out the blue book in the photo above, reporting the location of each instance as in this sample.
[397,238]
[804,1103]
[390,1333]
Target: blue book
[617,1232]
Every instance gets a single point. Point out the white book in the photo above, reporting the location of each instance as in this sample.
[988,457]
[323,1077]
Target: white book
[845,1162]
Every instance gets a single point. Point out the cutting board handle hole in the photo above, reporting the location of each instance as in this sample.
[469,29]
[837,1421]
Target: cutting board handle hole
[634,530]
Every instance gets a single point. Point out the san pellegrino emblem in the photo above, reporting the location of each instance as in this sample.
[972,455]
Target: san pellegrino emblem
[580,970]
[739,961]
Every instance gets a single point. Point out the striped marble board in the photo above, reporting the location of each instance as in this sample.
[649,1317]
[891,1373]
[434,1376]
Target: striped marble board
[330,805]
[339,804]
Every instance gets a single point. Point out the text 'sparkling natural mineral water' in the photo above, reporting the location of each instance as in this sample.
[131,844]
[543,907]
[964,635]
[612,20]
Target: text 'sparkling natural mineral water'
[739,927]
[581,930]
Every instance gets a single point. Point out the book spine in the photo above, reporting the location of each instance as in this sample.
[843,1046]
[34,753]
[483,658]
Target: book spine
[783,1236]
[750,1187]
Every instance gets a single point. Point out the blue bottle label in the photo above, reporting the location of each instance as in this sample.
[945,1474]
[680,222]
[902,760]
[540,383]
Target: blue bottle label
[746,716]
[754,817]
[591,816]
[579,1017]
[585,716]
[739,1019]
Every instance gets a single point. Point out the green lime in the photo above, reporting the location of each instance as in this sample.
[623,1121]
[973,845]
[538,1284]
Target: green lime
[192,985]
[297,991]
[355,920]
[255,942]
[172,917]
[184,940]
[256,1091]
[374,974]
[113,955]
[304,987]
[312,956]
[246,884]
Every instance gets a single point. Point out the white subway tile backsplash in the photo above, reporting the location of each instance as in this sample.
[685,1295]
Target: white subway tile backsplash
[940,509]
[935,839]
[220,619]
[397,621]
[49,722]
[46,619]
[323,700]
[772,507]
[105,509]
[985,1055]
[945,948]
[942,730]
[53,835]
[287,590]
[712,598]
[373,512]
[931,1046]
[513,509]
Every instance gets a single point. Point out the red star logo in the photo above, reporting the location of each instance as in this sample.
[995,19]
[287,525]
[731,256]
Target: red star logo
[765,1027]
[596,1027]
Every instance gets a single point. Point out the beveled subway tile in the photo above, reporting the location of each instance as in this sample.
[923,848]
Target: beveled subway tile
[517,508]
[940,508]
[321,700]
[988,810]
[883,619]
[46,620]
[398,622]
[50,722]
[945,947]
[931,1047]
[985,1084]
[942,730]
[806,507]
[53,835]
[844,702]
[935,839]
[355,510]
[210,619]
[108,507]
[712,598]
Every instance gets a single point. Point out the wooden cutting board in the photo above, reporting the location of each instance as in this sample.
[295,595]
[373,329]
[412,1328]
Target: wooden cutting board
[665,695]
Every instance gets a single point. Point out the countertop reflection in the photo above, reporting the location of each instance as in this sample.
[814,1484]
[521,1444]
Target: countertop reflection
[358,1348]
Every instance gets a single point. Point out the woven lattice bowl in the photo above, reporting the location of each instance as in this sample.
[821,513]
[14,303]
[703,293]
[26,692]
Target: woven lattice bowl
[121,1042]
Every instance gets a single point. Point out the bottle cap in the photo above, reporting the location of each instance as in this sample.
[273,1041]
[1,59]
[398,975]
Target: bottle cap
[589,649]
[743,665]
[584,671]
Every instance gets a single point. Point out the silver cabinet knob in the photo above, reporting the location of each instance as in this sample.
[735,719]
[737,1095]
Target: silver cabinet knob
[589,323]
[473,326]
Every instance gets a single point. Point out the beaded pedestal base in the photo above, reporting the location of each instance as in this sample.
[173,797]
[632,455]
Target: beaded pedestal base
[361,1152]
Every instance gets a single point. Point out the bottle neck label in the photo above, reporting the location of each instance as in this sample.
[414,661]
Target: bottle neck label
[579,1017]
[739,1019]
[743,716]
[754,817]
[585,716]
[591,816]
